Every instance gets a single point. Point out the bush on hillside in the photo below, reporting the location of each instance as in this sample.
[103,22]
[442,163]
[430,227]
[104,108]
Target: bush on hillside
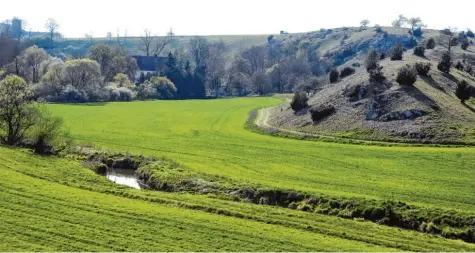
[463,91]
[372,61]
[334,74]
[422,68]
[468,69]
[412,42]
[348,71]
[465,45]
[376,75]
[407,75]
[459,65]
[470,34]
[445,63]
[397,52]
[321,112]
[419,51]
[417,32]
[430,43]
[45,132]
[299,101]
[382,56]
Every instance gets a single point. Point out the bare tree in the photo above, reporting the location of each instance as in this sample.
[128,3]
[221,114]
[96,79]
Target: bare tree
[215,68]
[415,23]
[400,21]
[364,23]
[256,57]
[121,40]
[109,36]
[161,43]
[146,42]
[52,26]
[199,50]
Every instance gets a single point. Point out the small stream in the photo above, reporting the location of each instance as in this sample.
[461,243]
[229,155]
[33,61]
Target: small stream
[124,177]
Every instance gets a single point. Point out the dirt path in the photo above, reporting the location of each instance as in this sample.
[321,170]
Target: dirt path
[263,122]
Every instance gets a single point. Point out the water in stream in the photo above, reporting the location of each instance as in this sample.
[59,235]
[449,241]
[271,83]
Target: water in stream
[124,177]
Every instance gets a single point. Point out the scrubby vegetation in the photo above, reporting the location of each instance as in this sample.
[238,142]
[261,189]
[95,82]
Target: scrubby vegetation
[445,62]
[334,75]
[24,122]
[463,91]
[396,52]
[422,68]
[406,75]
[320,112]
[419,51]
[430,43]
[347,71]
[299,101]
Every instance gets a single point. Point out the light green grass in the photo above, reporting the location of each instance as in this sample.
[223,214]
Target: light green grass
[51,204]
[209,136]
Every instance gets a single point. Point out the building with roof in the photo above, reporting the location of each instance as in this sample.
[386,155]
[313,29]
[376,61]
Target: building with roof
[149,65]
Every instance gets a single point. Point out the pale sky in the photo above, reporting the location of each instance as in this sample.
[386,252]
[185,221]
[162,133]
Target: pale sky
[214,17]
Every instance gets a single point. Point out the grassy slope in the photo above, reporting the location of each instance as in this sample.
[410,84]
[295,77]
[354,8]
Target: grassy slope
[209,136]
[51,204]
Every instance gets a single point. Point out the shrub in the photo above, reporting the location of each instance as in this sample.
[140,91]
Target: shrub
[334,74]
[416,32]
[422,68]
[407,75]
[465,44]
[397,52]
[445,63]
[45,132]
[120,94]
[72,95]
[430,43]
[376,75]
[468,69]
[382,56]
[419,51]
[470,34]
[463,91]
[459,65]
[372,61]
[412,42]
[321,112]
[356,65]
[299,101]
[347,72]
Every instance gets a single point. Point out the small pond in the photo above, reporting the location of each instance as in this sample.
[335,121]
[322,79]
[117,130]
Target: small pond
[124,177]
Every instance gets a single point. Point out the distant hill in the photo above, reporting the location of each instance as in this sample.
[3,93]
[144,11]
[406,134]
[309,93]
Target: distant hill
[79,47]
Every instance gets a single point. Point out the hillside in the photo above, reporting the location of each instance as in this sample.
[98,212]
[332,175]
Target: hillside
[429,111]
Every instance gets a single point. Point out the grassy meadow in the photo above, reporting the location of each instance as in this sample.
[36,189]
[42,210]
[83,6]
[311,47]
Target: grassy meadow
[209,136]
[55,204]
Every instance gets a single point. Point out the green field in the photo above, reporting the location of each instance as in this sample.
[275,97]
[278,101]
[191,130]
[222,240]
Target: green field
[209,136]
[55,204]
[52,204]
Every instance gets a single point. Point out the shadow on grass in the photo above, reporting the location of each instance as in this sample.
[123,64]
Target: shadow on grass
[420,96]
[87,104]
[430,81]
[450,77]
[469,107]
